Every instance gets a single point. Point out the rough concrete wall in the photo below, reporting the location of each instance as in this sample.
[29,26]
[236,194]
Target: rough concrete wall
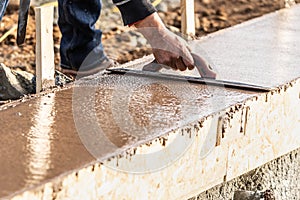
[282,176]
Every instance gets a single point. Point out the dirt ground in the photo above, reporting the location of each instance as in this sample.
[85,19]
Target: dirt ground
[210,15]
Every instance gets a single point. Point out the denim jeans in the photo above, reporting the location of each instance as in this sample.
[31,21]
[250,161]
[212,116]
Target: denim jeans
[81,45]
[3,5]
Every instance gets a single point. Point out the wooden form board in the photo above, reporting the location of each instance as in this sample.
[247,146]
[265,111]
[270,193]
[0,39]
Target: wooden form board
[44,48]
[187,17]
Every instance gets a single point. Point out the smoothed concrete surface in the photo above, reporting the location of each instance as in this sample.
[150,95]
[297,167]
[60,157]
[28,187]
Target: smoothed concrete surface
[40,139]
[49,148]
[264,50]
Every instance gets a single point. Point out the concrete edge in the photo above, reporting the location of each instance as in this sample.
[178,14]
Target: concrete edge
[243,136]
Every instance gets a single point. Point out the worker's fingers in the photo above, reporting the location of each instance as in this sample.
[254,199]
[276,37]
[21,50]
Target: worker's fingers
[187,57]
[189,65]
[180,64]
[174,63]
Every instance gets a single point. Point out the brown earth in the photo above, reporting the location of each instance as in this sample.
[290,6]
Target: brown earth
[210,15]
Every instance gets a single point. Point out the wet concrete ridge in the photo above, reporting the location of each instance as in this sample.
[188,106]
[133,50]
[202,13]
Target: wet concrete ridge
[114,134]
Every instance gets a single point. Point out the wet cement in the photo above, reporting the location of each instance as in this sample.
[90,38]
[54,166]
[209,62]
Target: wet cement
[46,137]
[99,117]
[264,51]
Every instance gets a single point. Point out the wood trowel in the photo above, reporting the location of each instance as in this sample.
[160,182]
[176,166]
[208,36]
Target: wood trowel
[203,68]
[208,76]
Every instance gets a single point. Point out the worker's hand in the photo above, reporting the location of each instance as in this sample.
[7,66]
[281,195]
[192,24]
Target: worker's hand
[168,48]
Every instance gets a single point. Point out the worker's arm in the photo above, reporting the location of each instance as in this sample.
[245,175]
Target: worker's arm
[168,48]
[3,5]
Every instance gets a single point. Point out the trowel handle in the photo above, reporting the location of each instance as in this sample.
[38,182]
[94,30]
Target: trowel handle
[154,66]
[203,67]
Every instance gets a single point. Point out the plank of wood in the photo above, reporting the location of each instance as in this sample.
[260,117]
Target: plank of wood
[187,17]
[9,32]
[44,48]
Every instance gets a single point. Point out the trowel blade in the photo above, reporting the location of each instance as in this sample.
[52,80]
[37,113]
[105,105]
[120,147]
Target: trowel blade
[191,79]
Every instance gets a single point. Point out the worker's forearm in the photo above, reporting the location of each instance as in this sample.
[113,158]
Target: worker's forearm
[151,27]
[133,11]
[152,20]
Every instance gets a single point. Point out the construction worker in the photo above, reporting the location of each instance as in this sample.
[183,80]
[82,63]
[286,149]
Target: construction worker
[81,49]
